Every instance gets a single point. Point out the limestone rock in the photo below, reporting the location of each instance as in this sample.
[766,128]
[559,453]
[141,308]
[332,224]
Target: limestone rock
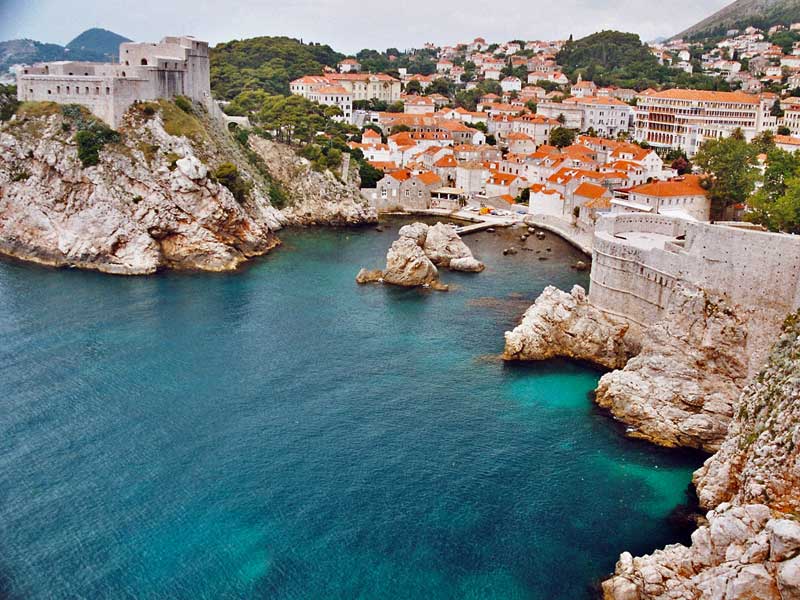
[139,210]
[408,266]
[369,276]
[446,249]
[316,198]
[467,264]
[415,231]
[681,389]
[561,324]
[750,547]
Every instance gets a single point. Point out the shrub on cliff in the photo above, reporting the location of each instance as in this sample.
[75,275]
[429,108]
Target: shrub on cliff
[92,133]
[8,101]
[91,140]
[228,175]
[184,104]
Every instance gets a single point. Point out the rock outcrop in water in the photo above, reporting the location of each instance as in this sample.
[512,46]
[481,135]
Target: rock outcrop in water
[152,201]
[750,546]
[412,258]
[676,382]
[682,386]
[445,248]
[562,324]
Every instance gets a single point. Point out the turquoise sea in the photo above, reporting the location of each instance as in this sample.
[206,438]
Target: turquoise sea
[281,433]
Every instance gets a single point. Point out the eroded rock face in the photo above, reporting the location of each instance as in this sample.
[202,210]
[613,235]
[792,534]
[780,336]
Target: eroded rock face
[316,198]
[148,204]
[562,324]
[760,459]
[412,259]
[750,547]
[733,557]
[681,388]
[408,266]
[446,249]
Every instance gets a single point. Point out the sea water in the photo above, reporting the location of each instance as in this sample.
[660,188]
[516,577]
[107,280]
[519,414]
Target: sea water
[281,432]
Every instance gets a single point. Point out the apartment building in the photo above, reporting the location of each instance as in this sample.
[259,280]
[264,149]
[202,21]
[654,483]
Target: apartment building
[686,118]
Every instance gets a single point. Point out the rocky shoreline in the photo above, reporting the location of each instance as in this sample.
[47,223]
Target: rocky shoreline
[154,200]
[684,382]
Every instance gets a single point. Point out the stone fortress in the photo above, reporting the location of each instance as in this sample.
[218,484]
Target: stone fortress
[638,260]
[176,66]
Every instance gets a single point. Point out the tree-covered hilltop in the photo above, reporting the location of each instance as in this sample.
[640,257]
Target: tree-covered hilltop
[266,63]
[621,59]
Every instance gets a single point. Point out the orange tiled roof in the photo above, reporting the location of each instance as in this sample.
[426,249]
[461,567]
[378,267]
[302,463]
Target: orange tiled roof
[429,178]
[590,190]
[688,185]
[707,96]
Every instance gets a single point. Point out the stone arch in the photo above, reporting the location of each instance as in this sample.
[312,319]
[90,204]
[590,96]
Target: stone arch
[144,62]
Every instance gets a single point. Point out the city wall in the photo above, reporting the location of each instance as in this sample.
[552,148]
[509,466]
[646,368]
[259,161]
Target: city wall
[757,272]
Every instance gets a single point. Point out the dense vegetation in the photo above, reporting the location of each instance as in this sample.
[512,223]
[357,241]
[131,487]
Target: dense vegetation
[420,61]
[8,101]
[265,63]
[773,198]
[621,59]
[91,135]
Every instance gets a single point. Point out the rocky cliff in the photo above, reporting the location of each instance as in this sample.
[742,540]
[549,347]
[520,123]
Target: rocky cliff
[682,386]
[171,190]
[562,324]
[675,383]
[316,198]
[750,546]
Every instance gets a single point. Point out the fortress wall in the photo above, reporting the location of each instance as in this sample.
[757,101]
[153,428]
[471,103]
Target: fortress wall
[754,269]
[631,282]
[106,97]
[758,272]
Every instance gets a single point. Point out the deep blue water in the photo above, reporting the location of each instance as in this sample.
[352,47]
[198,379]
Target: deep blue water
[282,433]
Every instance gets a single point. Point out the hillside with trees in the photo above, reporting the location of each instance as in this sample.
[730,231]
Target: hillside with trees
[266,63]
[621,59]
[742,13]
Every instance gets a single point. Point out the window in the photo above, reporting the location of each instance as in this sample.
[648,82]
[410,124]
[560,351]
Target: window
[144,62]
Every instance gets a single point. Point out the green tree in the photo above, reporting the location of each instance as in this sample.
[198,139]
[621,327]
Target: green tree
[413,87]
[228,175]
[370,176]
[561,137]
[731,166]
[782,168]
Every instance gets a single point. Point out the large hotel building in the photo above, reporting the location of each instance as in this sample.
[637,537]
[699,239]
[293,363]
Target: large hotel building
[685,118]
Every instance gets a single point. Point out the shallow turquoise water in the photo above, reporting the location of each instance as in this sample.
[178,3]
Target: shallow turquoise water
[283,433]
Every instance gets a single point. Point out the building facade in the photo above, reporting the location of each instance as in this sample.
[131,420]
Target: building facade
[176,66]
[686,118]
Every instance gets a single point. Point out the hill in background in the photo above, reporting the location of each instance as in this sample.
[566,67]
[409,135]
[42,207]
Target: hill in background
[97,42]
[96,45]
[758,13]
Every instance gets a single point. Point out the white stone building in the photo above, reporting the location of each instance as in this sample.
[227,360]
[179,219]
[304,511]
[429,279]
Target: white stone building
[176,66]
[686,118]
